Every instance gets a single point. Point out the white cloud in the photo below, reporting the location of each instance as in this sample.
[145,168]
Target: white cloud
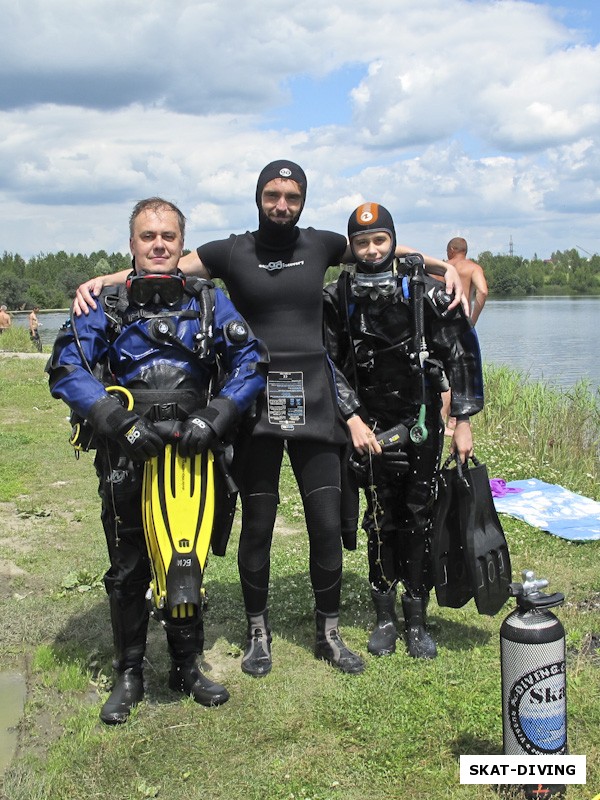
[469,116]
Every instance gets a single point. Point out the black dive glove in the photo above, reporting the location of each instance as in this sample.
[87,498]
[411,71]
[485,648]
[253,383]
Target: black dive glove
[369,468]
[137,437]
[392,461]
[395,462]
[204,427]
[196,435]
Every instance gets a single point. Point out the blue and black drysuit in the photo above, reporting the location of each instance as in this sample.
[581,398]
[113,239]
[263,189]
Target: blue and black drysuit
[174,361]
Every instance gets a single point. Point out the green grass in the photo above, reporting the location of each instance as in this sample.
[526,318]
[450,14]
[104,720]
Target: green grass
[16,340]
[305,731]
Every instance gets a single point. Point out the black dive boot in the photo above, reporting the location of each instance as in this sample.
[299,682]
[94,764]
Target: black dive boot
[256,660]
[186,642]
[382,641]
[330,647]
[129,620]
[185,677]
[127,691]
[419,642]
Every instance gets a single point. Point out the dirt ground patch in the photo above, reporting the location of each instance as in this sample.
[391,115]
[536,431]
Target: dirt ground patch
[281,529]
[13,525]
[9,570]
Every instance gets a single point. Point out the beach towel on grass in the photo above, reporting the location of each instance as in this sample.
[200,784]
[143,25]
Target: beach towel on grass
[553,509]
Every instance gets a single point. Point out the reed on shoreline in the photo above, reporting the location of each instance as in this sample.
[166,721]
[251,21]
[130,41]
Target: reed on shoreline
[16,340]
[555,431]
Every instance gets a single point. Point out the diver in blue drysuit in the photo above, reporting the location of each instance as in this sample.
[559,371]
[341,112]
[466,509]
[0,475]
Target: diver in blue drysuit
[185,354]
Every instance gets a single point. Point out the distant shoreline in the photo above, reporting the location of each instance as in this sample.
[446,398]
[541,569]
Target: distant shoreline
[27,312]
[492,296]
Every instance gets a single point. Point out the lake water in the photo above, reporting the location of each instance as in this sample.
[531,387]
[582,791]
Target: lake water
[548,338]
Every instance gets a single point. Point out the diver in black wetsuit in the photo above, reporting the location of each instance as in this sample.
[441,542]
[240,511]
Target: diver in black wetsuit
[275,277]
[394,375]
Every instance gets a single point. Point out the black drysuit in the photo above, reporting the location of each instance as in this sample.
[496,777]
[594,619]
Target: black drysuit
[372,344]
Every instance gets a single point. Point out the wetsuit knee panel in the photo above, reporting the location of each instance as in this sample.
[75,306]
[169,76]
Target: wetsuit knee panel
[258,513]
[322,510]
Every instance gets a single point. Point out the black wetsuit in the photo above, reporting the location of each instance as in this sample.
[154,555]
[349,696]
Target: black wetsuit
[278,288]
[371,342]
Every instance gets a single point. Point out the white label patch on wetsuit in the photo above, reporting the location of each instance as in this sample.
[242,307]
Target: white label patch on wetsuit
[285,399]
[274,266]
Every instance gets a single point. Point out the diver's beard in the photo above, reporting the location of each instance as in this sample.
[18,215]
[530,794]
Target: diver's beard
[277,233]
[279,223]
[283,220]
[275,227]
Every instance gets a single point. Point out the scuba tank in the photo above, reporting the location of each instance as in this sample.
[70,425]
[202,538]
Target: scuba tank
[534,699]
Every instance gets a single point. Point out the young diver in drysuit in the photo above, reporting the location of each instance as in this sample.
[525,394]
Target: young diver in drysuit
[185,354]
[390,336]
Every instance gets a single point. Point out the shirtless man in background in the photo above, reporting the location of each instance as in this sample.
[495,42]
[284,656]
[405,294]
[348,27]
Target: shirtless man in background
[5,320]
[471,274]
[475,289]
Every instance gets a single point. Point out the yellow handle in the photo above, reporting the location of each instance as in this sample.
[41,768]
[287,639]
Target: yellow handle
[116,390]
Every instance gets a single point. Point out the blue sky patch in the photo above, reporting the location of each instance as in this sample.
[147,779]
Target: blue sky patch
[317,101]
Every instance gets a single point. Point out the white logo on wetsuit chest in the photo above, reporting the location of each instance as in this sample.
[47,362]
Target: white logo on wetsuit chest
[275,265]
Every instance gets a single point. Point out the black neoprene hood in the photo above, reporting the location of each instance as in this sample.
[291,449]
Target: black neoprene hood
[272,234]
[369,218]
[280,169]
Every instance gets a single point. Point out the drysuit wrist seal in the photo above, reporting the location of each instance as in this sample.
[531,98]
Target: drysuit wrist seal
[221,415]
[108,417]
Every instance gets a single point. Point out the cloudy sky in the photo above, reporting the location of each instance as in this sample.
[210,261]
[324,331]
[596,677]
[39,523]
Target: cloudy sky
[478,118]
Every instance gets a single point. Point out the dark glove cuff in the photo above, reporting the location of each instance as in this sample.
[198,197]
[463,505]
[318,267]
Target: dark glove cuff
[108,417]
[221,414]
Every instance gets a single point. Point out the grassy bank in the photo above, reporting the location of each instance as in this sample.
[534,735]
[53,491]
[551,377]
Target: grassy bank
[16,340]
[531,430]
[305,731]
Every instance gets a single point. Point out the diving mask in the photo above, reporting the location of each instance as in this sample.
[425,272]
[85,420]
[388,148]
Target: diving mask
[155,288]
[379,284]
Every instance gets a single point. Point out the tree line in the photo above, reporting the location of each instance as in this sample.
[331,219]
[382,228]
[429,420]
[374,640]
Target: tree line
[564,272]
[50,280]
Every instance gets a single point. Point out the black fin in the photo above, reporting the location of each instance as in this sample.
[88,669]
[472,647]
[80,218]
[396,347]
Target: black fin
[488,559]
[469,550]
[452,581]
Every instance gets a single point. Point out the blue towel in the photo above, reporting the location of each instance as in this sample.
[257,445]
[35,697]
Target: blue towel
[553,509]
